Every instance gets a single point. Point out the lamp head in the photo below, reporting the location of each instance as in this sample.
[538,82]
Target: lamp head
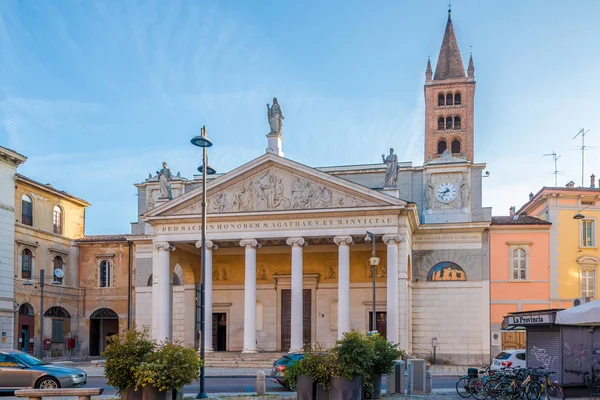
[578,216]
[201,141]
[209,170]
[374,261]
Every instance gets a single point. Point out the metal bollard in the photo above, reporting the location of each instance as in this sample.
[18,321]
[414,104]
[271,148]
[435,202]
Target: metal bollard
[261,388]
[396,381]
[428,382]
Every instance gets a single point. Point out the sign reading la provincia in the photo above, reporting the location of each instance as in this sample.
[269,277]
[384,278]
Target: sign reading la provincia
[529,319]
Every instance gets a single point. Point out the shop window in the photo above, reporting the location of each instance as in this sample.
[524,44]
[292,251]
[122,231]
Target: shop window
[26,210]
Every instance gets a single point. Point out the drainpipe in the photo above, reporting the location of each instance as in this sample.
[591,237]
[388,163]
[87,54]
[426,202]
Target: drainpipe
[129,285]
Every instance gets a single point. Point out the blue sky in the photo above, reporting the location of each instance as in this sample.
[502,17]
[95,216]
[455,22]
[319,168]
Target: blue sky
[98,93]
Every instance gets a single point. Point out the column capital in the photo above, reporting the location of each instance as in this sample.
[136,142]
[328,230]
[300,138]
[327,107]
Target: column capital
[247,243]
[209,244]
[342,240]
[163,246]
[392,239]
[296,241]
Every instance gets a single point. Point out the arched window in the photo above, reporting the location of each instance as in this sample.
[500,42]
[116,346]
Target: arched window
[26,261]
[26,210]
[176,280]
[441,123]
[449,101]
[57,220]
[456,146]
[457,122]
[441,99]
[457,99]
[449,123]
[518,264]
[26,309]
[58,265]
[446,271]
[105,274]
[442,146]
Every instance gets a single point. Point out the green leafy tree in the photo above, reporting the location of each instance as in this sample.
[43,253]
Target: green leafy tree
[385,354]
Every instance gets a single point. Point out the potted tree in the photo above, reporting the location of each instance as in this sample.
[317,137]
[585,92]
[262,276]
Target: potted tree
[297,378]
[385,354]
[351,366]
[165,372]
[124,353]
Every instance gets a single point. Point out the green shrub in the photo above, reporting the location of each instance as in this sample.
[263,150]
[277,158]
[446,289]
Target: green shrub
[292,372]
[124,353]
[172,366]
[354,355]
[385,354]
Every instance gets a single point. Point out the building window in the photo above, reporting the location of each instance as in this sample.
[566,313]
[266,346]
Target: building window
[441,124]
[105,274]
[57,220]
[457,99]
[588,237]
[518,264]
[58,265]
[441,99]
[449,123]
[457,122]
[26,261]
[442,146]
[587,278]
[26,210]
[449,101]
[456,146]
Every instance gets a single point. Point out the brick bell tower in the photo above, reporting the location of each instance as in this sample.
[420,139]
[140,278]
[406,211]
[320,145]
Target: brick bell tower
[449,102]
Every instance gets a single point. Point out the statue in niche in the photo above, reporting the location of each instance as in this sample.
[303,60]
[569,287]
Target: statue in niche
[275,116]
[428,193]
[224,275]
[215,275]
[262,275]
[331,272]
[464,191]
[164,180]
[391,172]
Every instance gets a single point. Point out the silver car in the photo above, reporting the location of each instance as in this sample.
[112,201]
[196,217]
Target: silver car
[20,370]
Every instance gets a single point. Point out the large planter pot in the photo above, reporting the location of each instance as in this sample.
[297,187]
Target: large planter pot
[305,388]
[152,393]
[131,394]
[322,393]
[376,386]
[344,389]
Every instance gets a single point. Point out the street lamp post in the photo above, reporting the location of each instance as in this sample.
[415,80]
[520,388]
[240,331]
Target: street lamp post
[41,283]
[374,262]
[204,142]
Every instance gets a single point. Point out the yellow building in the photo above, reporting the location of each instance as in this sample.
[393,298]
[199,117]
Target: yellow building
[574,255]
[47,221]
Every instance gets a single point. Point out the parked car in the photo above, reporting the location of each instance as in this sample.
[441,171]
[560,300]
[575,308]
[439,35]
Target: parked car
[280,366]
[509,359]
[20,370]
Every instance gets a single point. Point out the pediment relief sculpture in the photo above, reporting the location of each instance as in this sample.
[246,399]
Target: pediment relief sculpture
[274,189]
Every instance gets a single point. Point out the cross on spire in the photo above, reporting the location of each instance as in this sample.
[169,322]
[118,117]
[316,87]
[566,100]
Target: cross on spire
[449,7]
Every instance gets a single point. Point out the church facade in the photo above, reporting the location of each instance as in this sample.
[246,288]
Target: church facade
[287,258]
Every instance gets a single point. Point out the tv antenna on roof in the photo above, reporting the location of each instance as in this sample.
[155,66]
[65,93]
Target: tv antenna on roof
[555,157]
[582,132]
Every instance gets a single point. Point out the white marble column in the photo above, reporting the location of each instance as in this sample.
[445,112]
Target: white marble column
[296,342]
[392,242]
[161,292]
[343,243]
[250,295]
[208,338]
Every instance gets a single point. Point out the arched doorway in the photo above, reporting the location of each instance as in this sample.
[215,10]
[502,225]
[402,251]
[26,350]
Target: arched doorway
[104,323]
[26,327]
[61,327]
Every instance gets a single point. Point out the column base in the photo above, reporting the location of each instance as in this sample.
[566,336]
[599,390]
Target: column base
[296,351]
[248,351]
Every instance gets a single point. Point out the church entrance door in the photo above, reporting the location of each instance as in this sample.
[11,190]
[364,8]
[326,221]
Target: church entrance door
[286,318]
[219,328]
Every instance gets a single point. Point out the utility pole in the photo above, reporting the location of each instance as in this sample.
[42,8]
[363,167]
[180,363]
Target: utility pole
[555,157]
[582,132]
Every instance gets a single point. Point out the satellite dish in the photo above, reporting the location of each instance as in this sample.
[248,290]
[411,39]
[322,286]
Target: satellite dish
[59,273]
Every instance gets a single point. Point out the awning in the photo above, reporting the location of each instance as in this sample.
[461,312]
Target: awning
[587,314]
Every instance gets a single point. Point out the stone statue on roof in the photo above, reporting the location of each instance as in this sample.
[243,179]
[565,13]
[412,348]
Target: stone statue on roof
[391,172]
[275,116]
[164,180]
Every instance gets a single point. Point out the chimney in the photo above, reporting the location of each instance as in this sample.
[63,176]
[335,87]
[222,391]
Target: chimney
[593,181]
[530,196]
[511,211]
[570,184]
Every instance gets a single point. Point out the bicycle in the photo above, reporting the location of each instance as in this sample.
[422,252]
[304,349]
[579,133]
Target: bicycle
[471,385]
[555,391]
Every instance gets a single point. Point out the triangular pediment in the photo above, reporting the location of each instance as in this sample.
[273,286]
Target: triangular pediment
[273,183]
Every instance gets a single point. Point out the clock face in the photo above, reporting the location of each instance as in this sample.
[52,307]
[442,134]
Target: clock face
[446,192]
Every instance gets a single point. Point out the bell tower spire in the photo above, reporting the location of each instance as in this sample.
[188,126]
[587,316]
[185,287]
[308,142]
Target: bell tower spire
[449,101]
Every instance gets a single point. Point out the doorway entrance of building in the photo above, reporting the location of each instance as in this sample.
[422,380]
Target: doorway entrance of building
[26,326]
[104,323]
[286,318]
[219,331]
[380,322]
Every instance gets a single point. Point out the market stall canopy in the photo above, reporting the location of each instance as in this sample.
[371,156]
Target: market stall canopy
[586,314]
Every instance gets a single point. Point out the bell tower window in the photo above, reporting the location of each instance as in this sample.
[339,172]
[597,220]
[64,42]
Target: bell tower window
[449,123]
[449,100]
[457,99]
[441,124]
[457,122]
[442,146]
[456,146]
[441,99]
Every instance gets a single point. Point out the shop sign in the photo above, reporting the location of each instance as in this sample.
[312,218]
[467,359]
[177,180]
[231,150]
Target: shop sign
[531,319]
